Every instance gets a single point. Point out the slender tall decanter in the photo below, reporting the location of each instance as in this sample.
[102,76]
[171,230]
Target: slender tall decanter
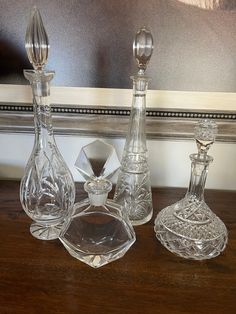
[189,228]
[133,189]
[47,188]
[98,232]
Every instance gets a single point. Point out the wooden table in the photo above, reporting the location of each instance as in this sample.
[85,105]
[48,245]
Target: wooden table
[41,277]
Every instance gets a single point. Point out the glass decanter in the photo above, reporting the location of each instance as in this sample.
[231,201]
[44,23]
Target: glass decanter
[189,228]
[47,188]
[98,232]
[133,189]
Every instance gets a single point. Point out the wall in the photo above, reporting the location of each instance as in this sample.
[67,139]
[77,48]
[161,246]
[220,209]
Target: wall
[91,43]
[169,161]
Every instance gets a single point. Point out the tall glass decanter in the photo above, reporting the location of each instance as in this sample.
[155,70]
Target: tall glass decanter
[133,189]
[98,232]
[189,228]
[47,188]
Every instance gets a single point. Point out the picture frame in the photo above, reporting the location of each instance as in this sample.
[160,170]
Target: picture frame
[94,112]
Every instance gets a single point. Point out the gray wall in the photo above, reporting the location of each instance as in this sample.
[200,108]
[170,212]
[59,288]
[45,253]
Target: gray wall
[91,43]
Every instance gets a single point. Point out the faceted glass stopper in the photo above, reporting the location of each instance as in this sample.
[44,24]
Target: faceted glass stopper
[97,160]
[36,41]
[143,48]
[205,134]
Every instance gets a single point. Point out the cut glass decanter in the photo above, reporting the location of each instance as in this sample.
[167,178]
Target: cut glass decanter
[47,188]
[133,189]
[98,232]
[189,228]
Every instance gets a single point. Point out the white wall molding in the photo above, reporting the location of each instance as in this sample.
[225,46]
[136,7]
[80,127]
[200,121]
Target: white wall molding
[110,97]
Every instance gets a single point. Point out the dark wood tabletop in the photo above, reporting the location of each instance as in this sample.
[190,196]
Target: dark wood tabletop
[41,277]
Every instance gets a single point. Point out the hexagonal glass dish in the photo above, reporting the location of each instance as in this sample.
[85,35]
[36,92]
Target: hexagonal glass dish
[98,232]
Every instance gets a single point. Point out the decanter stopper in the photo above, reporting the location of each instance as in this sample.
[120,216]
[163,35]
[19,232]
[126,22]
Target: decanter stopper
[36,41]
[143,48]
[205,134]
[97,162]
[98,232]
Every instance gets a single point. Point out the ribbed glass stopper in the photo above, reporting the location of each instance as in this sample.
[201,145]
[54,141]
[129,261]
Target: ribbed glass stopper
[36,41]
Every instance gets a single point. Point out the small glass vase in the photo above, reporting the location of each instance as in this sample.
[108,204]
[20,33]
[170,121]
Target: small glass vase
[98,232]
[47,188]
[189,228]
[133,188]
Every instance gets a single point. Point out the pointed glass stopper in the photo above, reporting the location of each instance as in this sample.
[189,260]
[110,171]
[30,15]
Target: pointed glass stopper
[143,48]
[205,134]
[36,41]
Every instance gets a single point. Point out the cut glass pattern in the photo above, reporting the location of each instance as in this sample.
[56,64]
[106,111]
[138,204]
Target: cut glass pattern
[47,188]
[133,189]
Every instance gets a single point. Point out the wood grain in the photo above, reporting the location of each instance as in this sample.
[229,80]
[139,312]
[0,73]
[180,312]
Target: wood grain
[41,277]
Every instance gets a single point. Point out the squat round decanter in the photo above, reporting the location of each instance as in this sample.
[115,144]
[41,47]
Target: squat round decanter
[133,188]
[98,232]
[189,228]
[47,188]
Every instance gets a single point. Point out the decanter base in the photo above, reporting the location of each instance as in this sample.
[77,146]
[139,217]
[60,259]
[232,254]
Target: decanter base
[133,193]
[190,249]
[171,234]
[97,238]
[139,222]
[42,232]
[96,260]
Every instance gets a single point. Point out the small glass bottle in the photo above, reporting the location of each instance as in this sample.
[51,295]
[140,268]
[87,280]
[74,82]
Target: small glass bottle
[47,188]
[133,189]
[98,232]
[189,228]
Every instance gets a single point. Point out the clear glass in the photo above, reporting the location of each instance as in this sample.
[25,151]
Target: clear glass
[47,188]
[143,48]
[189,228]
[36,41]
[98,232]
[133,189]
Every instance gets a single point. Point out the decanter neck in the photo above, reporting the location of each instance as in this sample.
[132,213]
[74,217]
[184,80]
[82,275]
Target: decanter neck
[39,81]
[199,170]
[136,137]
[98,190]
[40,84]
